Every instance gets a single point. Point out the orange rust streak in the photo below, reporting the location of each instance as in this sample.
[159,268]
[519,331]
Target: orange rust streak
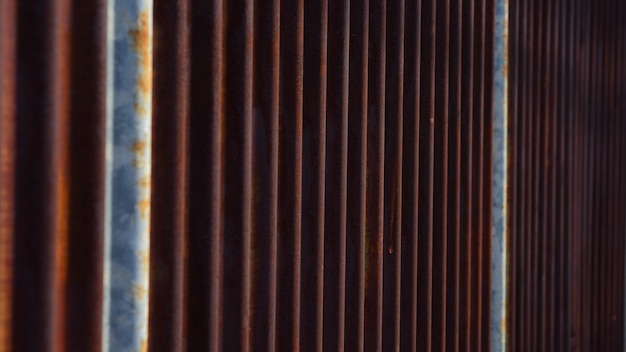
[139,147]
[7,147]
[142,44]
[144,208]
[61,159]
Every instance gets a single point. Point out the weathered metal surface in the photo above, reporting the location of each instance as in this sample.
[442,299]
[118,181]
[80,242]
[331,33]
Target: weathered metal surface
[565,289]
[311,175]
[315,184]
[501,195]
[130,178]
[53,149]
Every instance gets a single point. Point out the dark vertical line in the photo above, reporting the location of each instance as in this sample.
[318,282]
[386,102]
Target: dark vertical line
[203,286]
[541,116]
[41,177]
[440,174]
[619,276]
[410,178]
[621,208]
[612,262]
[467,89]
[527,117]
[593,165]
[393,174]
[487,150]
[86,175]
[561,180]
[290,174]
[534,203]
[562,295]
[574,145]
[608,244]
[356,231]
[425,193]
[237,175]
[454,180]
[520,159]
[336,176]
[572,271]
[549,164]
[581,69]
[587,167]
[205,232]
[601,116]
[375,183]
[528,185]
[169,170]
[477,170]
[265,182]
[314,167]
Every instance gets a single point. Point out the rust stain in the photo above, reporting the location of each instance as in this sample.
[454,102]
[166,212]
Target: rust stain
[141,37]
[144,346]
[144,259]
[144,182]
[144,208]
[140,146]
[140,292]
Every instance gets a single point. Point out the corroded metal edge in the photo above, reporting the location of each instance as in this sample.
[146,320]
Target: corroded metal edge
[129,178]
[500,182]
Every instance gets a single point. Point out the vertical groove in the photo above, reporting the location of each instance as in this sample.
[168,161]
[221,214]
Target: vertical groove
[169,172]
[392,248]
[375,183]
[410,176]
[334,270]
[314,167]
[453,285]
[265,186]
[290,174]
[356,223]
[86,175]
[467,120]
[477,170]
[425,175]
[440,174]
[42,107]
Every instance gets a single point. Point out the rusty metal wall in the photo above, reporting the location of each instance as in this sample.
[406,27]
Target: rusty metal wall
[322,175]
[311,175]
[566,278]
[52,137]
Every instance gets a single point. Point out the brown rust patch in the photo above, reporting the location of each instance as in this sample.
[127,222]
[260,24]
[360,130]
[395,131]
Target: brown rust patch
[144,259]
[140,146]
[141,37]
[139,149]
[140,292]
[144,346]
[144,182]
[144,208]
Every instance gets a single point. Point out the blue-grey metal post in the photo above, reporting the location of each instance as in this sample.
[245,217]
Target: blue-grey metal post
[500,182]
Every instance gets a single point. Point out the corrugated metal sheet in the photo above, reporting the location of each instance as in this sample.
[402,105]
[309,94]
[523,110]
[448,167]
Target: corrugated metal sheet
[322,175]
[567,209]
[311,175]
[53,179]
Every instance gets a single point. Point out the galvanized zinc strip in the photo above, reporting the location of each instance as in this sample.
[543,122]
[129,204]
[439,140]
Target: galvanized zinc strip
[501,189]
[130,179]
